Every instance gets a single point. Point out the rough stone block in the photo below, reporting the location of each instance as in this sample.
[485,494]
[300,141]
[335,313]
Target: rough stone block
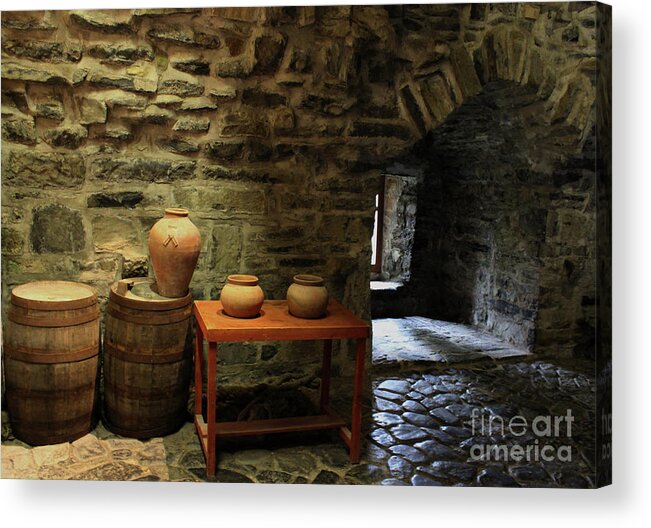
[245,14]
[268,53]
[464,70]
[411,103]
[328,105]
[12,241]
[104,22]
[192,124]
[380,129]
[217,172]
[222,151]
[123,53]
[119,98]
[306,16]
[166,100]
[256,97]
[157,115]
[437,97]
[258,151]
[42,170]
[134,265]
[180,87]
[236,69]
[163,12]
[140,82]
[529,12]
[245,123]
[228,200]
[226,248]
[79,76]
[223,93]
[141,169]
[112,234]
[197,104]
[28,20]
[119,133]
[50,110]
[19,129]
[193,66]
[92,111]
[19,72]
[43,51]
[284,121]
[70,136]
[184,36]
[56,229]
[178,145]
[115,199]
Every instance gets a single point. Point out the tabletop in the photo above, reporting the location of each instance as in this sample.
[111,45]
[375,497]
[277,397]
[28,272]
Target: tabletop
[276,323]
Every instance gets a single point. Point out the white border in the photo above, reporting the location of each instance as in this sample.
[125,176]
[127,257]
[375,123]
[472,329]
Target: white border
[627,502]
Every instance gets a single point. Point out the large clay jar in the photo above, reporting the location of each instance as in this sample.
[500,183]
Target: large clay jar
[174,246]
[242,296]
[307,297]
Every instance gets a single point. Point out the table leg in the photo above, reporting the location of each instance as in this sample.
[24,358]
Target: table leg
[358,390]
[198,369]
[325,374]
[211,404]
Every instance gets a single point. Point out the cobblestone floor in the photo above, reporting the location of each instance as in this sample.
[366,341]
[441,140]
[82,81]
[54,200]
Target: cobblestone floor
[422,427]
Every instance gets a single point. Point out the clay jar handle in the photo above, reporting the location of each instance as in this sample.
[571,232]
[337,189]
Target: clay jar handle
[172,239]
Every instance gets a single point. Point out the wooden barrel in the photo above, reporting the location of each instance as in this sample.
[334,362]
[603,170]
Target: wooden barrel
[147,360]
[51,353]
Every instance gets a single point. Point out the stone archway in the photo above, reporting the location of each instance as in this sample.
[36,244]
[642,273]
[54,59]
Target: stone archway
[548,307]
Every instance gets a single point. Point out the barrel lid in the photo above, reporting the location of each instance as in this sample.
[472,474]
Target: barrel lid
[142,293]
[53,295]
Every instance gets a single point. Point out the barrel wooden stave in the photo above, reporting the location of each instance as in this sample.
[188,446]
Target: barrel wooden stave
[40,415]
[147,367]
[51,363]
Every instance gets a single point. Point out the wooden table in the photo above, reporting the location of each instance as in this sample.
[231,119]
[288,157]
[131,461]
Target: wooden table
[276,324]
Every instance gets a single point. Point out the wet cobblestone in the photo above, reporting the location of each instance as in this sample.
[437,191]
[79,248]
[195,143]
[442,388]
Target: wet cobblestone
[457,446]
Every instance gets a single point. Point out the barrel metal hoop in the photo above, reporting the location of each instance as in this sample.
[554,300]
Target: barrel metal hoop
[167,355]
[31,355]
[53,306]
[48,394]
[81,420]
[151,318]
[150,306]
[27,320]
[130,392]
[162,430]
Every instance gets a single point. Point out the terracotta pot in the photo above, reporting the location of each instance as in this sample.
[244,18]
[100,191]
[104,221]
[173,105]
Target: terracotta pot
[242,296]
[174,246]
[307,297]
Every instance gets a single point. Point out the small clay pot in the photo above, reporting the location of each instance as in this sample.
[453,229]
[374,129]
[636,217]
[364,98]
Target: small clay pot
[174,246]
[242,296]
[307,297]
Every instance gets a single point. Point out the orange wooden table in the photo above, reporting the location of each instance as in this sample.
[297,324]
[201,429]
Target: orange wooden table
[276,324]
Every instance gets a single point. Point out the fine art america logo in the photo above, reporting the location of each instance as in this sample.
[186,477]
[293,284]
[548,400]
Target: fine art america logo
[530,440]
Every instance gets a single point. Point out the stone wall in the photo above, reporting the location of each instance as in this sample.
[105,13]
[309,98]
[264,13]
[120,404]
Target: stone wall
[251,118]
[505,238]
[270,124]
[505,234]
[399,224]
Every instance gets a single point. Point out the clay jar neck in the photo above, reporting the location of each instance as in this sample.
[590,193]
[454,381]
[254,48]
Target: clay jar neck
[308,280]
[243,280]
[176,212]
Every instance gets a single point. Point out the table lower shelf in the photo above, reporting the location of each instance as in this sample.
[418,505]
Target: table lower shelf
[273,426]
[276,425]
